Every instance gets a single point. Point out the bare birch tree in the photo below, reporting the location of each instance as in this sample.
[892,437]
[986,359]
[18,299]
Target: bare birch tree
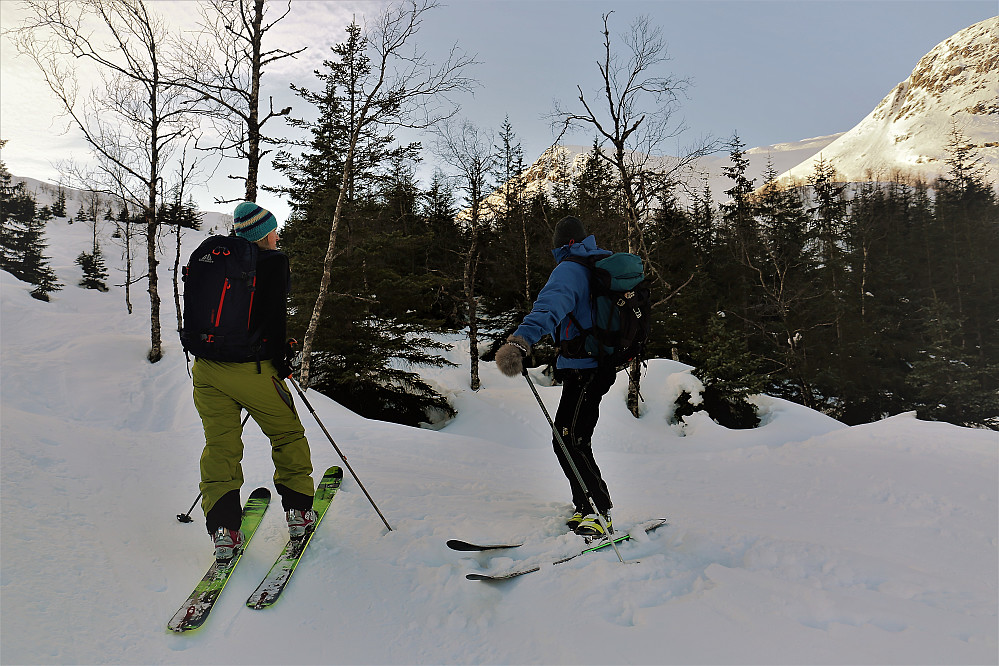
[403,89]
[187,170]
[131,118]
[225,69]
[469,150]
[634,115]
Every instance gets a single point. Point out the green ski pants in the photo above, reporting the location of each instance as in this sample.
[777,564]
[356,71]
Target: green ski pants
[220,390]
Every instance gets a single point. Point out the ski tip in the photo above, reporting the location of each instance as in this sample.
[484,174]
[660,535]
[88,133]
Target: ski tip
[500,578]
[484,577]
[334,471]
[260,493]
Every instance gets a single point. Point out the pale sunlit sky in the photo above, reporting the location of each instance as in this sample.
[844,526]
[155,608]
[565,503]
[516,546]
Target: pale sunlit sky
[771,71]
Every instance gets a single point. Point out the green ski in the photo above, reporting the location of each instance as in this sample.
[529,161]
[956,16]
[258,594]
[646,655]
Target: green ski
[195,610]
[277,578]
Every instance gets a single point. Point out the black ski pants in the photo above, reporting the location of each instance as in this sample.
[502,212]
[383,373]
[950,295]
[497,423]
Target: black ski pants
[577,415]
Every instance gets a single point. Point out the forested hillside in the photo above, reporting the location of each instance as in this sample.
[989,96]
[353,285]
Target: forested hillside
[859,300]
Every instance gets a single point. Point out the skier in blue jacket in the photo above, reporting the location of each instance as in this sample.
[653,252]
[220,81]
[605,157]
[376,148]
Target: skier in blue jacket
[566,296]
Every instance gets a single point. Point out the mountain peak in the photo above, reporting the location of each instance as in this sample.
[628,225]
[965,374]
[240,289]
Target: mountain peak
[962,68]
[956,84]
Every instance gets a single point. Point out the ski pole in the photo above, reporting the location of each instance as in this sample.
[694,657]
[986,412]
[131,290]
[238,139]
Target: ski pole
[186,517]
[338,451]
[579,477]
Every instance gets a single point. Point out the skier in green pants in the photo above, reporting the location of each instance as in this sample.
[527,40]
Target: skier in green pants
[223,388]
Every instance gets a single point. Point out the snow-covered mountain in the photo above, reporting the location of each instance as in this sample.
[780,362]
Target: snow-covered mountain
[954,85]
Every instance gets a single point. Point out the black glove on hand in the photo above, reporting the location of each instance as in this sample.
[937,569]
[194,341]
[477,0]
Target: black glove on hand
[284,365]
[510,357]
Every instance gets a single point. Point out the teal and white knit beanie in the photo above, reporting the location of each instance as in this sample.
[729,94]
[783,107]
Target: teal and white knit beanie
[252,222]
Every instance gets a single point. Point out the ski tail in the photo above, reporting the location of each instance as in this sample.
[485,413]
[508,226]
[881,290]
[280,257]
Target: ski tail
[468,547]
[199,604]
[277,578]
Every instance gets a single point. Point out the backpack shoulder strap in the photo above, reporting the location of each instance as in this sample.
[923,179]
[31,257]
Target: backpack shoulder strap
[582,261]
[589,263]
[270,256]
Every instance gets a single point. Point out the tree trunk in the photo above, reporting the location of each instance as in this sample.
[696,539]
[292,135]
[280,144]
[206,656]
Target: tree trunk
[128,264]
[471,263]
[155,340]
[176,285]
[634,387]
[253,122]
[324,284]
[527,260]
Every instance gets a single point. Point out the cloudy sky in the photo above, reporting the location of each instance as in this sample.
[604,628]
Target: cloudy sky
[771,71]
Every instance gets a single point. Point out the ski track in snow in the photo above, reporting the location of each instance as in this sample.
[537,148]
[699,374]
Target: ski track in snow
[802,541]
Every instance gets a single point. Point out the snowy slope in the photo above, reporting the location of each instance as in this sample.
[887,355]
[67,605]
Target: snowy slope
[803,541]
[46,193]
[956,84]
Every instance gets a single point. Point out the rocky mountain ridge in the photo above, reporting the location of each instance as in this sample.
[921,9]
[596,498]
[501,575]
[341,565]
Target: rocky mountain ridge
[953,87]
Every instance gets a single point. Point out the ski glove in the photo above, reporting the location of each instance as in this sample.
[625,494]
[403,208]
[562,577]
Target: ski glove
[284,364]
[510,357]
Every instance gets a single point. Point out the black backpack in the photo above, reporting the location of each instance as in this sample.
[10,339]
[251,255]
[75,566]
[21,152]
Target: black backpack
[621,300]
[219,281]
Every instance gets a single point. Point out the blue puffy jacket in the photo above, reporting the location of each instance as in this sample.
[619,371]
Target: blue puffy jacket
[567,291]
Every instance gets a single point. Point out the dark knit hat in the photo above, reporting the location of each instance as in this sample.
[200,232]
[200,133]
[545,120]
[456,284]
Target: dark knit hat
[252,222]
[568,230]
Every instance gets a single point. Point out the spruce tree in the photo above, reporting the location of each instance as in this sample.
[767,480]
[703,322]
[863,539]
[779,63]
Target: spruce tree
[35,267]
[59,207]
[674,239]
[967,235]
[598,202]
[22,237]
[785,269]
[397,330]
[730,374]
[877,316]
[375,323]
[509,260]
[724,341]
[442,247]
[739,238]
[95,272]
[954,375]
[950,383]
[828,343]
[503,265]
[17,209]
